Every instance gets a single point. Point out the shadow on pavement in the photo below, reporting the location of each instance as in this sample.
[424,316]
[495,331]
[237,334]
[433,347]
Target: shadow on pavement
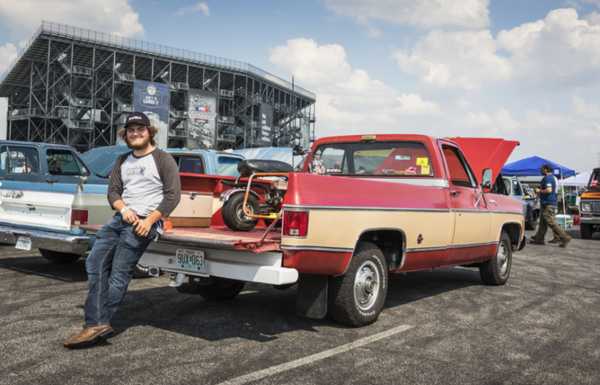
[37,265]
[261,313]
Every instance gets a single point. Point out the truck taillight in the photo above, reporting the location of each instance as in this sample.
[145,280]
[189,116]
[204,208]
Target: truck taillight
[295,223]
[79,217]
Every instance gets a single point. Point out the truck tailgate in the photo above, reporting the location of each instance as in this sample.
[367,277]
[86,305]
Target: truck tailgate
[50,210]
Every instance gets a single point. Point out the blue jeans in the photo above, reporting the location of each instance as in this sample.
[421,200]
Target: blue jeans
[110,266]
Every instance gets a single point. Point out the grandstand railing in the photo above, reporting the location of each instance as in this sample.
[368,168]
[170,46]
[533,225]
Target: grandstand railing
[116,41]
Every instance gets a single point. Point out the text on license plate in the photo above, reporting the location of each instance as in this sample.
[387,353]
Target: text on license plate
[23,243]
[190,259]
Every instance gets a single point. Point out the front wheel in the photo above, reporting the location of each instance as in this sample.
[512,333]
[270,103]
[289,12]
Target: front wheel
[58,257]
[357,297]
[216,289]
[497,270]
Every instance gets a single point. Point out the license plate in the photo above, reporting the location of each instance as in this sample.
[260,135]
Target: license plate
[190,260]
[23,243]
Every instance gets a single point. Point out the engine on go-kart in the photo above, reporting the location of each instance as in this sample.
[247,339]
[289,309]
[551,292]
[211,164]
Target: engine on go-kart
[257,194]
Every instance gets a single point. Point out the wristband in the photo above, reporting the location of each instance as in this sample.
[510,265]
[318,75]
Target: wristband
[124,209]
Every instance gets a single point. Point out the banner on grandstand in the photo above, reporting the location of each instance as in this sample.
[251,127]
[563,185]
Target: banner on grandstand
[154,100]
[266,124]
[202,118]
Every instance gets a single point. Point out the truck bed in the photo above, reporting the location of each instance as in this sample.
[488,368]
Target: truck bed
[221,237]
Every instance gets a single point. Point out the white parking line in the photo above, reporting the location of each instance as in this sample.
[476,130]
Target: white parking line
[260,374]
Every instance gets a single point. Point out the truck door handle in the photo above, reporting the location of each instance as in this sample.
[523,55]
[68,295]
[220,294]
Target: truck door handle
[454,193]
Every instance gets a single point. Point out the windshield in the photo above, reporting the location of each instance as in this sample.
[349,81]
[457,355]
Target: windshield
[373,159]
[102,159]
[595,180]
[227,165]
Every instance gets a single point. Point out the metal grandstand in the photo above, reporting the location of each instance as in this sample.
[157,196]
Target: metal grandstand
[73,86]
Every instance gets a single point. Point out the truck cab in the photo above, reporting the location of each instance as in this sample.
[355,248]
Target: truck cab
[589,206]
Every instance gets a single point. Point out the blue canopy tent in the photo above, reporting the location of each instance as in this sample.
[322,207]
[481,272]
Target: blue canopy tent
[531,167]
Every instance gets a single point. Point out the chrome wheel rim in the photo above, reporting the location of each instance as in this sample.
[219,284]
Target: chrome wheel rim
[502,256]
[242,215]
[366,285]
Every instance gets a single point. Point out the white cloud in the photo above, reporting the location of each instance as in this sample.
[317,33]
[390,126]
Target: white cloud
[420,13]
[463,59]
[562,49]
[413,104]
[347,98]
[8,52]
[200,7]
[22,17]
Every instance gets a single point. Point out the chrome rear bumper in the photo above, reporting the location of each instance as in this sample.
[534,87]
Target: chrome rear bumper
[49,240]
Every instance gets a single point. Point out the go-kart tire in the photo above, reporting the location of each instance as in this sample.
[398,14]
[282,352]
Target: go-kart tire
[233,214]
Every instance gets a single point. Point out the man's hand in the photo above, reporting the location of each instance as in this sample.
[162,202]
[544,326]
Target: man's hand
[130,216]
[142,227]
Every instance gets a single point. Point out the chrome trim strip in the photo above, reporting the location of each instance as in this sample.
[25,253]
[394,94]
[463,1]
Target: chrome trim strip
[424,181]
[461,246]
[319,248]
[367,208]
[319,207]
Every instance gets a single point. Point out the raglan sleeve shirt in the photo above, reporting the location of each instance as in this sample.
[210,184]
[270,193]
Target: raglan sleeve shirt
[169,174]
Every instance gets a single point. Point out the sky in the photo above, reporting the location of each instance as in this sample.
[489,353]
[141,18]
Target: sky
[517,69]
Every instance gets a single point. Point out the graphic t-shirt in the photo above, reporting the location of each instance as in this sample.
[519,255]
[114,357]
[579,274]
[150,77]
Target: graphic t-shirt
[142,186]
[548,199]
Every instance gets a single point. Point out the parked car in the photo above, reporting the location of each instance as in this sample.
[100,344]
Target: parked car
[49,191]
[361,208]
[512,186]
[589,206]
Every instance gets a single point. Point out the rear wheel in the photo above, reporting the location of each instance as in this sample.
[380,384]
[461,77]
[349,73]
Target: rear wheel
[586,230]
[58,257]
[497,270]
[357,298]
[213,289]
[233,213]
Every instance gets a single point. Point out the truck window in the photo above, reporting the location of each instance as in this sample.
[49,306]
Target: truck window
[17,160]
[374,159]
[191,164]
[227,165]
[63,162]
[595,180]
[460,174]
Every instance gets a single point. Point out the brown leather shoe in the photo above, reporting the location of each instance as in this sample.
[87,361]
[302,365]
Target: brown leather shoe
[88,336]
[535,241]
[554,240]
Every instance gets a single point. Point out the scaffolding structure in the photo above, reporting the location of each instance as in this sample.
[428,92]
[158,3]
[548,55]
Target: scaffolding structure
[74,86]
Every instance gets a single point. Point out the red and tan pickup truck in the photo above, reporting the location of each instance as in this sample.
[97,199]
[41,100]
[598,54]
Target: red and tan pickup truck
[361,208]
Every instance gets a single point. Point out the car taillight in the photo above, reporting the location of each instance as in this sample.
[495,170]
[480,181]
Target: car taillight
[79,217]
[295,223]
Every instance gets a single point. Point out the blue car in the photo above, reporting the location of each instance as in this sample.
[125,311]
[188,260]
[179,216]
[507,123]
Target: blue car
[48,191]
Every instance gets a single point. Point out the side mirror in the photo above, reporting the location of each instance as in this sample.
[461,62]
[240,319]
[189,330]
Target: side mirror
[486,179]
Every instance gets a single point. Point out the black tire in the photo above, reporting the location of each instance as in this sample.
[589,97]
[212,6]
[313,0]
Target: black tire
[497,270]
[218,289]
[586,230]
[368,265]
[58,257]
[233,215]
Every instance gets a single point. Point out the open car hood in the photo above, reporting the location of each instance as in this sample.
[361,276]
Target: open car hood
[482,153]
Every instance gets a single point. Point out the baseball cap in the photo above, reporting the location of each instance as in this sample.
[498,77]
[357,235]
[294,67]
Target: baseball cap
[137,118]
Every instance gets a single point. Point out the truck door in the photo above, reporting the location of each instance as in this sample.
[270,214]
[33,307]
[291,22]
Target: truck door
[472,218]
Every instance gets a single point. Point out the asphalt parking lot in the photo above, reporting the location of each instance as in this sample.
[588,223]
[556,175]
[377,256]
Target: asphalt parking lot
[438,327]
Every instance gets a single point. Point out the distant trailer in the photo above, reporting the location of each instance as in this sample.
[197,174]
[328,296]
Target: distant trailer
[74,86]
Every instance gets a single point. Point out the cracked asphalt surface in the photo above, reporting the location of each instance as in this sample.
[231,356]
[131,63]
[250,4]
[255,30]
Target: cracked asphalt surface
[541,328]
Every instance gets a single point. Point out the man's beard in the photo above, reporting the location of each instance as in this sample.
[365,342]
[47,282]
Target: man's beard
[139,146]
